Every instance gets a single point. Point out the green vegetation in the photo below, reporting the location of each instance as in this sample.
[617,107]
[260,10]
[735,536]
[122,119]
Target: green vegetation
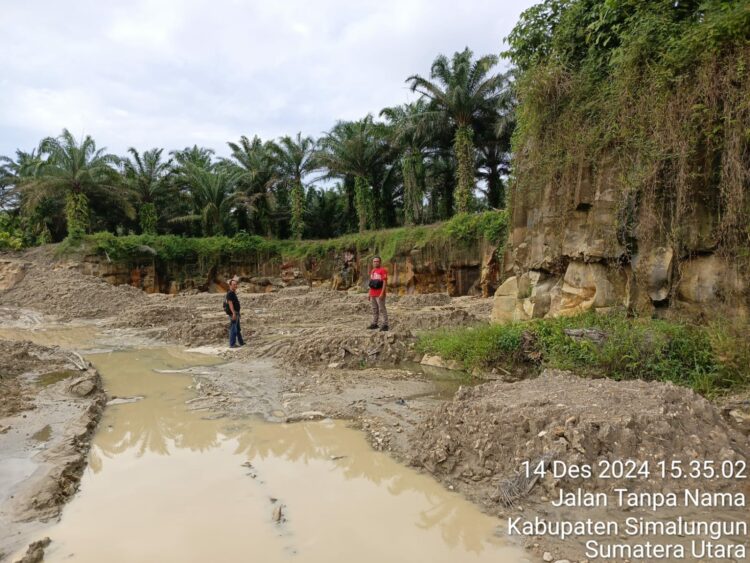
[708,359]
[462,231]
[422,163]
[651,99]
[11,236]
[464,98]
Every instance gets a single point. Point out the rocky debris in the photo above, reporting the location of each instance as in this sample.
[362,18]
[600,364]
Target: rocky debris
[68,294]
[35,552]
[84,386]
[487,431]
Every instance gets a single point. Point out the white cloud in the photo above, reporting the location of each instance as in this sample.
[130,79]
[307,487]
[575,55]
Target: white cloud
[180,72]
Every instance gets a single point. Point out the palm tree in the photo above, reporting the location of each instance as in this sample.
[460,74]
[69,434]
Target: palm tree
[77,172]
[252,162]
[147,176]
[495,147]
[462,95]
[201,157]
[410,137]
[14,171]
[359,149]
[294,159]
[213,198]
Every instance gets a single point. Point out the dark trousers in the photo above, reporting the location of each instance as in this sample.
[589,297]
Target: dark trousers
[235,332]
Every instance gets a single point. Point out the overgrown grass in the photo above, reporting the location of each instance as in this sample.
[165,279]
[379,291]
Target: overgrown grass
[708,359]
[647,98]
[465,231]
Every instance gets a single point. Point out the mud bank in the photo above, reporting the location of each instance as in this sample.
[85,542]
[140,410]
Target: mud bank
[50,402]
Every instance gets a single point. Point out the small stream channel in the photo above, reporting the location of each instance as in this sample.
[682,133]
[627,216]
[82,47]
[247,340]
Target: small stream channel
[166,483]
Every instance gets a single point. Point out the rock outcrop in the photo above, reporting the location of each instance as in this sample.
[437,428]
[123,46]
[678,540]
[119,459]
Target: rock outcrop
[455,270]
[573,248]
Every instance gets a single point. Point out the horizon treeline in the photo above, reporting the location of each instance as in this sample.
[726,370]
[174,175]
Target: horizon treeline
[650,99]
[447,152]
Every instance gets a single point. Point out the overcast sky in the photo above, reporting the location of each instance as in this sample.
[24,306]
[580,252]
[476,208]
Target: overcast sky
[173,73]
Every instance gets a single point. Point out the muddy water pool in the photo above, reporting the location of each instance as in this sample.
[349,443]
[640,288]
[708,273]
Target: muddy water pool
[166,483]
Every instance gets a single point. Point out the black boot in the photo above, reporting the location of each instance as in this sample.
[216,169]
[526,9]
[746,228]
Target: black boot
[384,328]
[372,326]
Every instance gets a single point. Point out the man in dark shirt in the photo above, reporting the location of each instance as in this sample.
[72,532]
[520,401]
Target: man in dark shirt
[235,332]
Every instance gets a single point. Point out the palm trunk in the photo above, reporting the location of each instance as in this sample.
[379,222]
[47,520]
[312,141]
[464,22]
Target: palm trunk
[77,214]
[413,189]
[298,208]
[148,218]
[464,151]
[361,202]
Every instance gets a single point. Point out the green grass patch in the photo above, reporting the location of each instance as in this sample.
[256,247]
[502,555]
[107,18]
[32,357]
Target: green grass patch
[464,231]
[709,359]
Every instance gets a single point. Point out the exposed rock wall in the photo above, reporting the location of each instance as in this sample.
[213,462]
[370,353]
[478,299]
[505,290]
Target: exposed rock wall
[580,245]
[459,270]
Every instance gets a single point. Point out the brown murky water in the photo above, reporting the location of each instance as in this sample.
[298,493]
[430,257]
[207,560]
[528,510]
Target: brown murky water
[165,483]
[68,337]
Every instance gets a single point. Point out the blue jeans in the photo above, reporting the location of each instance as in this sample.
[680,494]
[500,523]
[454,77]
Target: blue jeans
[235,332]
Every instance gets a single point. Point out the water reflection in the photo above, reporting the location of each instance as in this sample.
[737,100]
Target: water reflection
[158,422]
[326,474]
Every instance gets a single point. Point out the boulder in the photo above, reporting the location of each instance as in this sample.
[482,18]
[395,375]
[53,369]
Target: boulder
[591,286]
[505,305]
[83,386]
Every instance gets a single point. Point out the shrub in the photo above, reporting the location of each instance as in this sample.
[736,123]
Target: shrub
[707,359]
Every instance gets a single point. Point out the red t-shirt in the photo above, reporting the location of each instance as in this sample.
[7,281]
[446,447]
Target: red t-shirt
[378,274]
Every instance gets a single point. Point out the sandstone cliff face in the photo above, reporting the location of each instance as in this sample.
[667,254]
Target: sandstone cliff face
[581,245]
[459,270]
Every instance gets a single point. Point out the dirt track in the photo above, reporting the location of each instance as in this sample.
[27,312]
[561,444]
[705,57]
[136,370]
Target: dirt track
[310,356]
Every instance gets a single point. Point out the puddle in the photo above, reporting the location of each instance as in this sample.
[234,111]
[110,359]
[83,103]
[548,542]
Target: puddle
[73,337]
[52,377]
[168,484]
[447,381]
[42,435]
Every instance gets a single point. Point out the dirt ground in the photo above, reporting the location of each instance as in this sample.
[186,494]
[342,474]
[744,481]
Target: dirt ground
[310,356]
[50,402]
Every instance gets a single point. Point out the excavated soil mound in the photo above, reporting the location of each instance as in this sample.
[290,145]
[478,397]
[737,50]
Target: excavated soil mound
[339,347]
[68,294]
[486,432]
[155,315]
[177,323]
[417,301]
[430,319]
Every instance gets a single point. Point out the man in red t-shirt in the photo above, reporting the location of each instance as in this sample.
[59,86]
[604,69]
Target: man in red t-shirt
[378,282]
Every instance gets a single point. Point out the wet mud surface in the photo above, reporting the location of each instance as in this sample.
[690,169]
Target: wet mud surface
[312,491]
[310,359]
